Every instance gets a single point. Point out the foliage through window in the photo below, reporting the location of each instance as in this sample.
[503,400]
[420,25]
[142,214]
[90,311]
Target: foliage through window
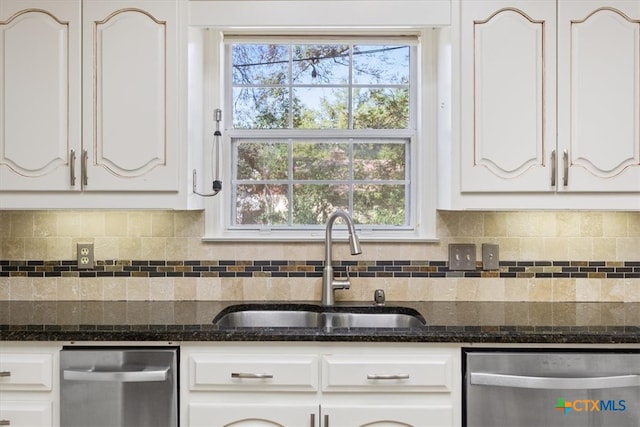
[319,126]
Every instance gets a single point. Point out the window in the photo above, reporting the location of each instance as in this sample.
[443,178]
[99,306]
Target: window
[315,123]
[319,126]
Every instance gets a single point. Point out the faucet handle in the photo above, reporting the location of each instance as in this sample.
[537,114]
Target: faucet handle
[347,277]
[379,297]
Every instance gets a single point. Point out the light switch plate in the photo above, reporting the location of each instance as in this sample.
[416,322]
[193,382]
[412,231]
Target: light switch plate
[490,256]
[462,256]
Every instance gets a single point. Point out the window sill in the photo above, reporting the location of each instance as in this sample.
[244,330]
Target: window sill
[301,236]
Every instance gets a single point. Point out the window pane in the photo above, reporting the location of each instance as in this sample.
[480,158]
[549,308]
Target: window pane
[320,108]
[260,64]
[379,204]
[262,204]
[381,64]
[319,161]
[262,160]
[260,108]
[320,64]
[381,108]
[312,204]
[379,161]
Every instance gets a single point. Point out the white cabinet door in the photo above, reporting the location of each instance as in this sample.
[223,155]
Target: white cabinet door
[387,416]
[507,88]
[26,413]
[130,95]
[599,95]
[39,94]
[252,415]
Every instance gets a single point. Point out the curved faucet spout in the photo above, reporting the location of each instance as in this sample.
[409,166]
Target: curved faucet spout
[329,284]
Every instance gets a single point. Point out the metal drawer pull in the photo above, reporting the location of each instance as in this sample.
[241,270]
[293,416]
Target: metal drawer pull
[326,421]
[72,169]
[5,423]
[145,375]
[5,373]
[312,420]
[553,168]
[387,377]
[242,375]
[550,383]
[565,161]
[84,163]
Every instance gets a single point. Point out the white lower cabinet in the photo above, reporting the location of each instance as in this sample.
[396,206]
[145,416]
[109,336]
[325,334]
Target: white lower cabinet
[252,414]
[386,416]
[26,414]
[319,385]
[29,384]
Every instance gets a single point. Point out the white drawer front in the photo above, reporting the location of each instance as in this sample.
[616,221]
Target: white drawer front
[387,373]
[253,372]
[20,371]
[26,414]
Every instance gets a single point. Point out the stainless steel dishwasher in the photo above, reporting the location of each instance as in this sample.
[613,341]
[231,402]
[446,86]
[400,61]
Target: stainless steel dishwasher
[118,387]
[551,388]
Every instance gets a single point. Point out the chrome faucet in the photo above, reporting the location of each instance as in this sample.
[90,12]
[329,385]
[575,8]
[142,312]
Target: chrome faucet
[329,283]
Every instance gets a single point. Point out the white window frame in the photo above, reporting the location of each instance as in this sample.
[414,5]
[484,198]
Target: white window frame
[283,18]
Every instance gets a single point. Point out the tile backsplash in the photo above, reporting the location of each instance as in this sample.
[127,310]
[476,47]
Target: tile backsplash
[160,255]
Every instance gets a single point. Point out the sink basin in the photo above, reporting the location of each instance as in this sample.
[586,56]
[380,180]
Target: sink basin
[312,316]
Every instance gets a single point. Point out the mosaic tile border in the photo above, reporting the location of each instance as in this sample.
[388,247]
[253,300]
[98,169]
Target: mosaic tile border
[312,268]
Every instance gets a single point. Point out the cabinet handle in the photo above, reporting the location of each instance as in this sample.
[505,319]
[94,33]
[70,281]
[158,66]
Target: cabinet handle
[5,423]
[387,377]
[242,375]
[147,374]
[326,420]
[5,373]
[72,169]
[565,161]
[312,420]
[85,175]
[553,383]
[553,168]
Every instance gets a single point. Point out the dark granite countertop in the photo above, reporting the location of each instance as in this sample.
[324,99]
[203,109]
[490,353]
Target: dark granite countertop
[460,322]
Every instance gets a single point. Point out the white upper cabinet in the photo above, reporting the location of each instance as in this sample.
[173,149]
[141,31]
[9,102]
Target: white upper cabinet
[91,108]
[549,112]
[599,95]
[130,96]
[40,117]
[508,88]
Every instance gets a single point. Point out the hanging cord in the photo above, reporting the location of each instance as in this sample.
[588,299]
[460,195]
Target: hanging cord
[216,160]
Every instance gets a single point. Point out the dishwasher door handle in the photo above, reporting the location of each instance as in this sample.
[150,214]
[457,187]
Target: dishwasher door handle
[554,383]
[148,374]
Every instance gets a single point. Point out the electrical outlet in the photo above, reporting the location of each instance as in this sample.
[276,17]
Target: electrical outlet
[86,259]
[462,256]
[490,256]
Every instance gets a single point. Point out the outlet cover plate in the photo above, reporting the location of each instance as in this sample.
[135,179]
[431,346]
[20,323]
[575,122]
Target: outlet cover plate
[462,256]
[85,256]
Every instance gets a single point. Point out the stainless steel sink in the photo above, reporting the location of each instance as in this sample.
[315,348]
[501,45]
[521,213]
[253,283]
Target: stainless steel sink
[268,319]
[308,316]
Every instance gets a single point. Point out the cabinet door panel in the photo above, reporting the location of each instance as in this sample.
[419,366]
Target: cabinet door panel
[252,415]
[39,94]
[27,414]
[599,95]
[388,416]
[507,96]
[130,100]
